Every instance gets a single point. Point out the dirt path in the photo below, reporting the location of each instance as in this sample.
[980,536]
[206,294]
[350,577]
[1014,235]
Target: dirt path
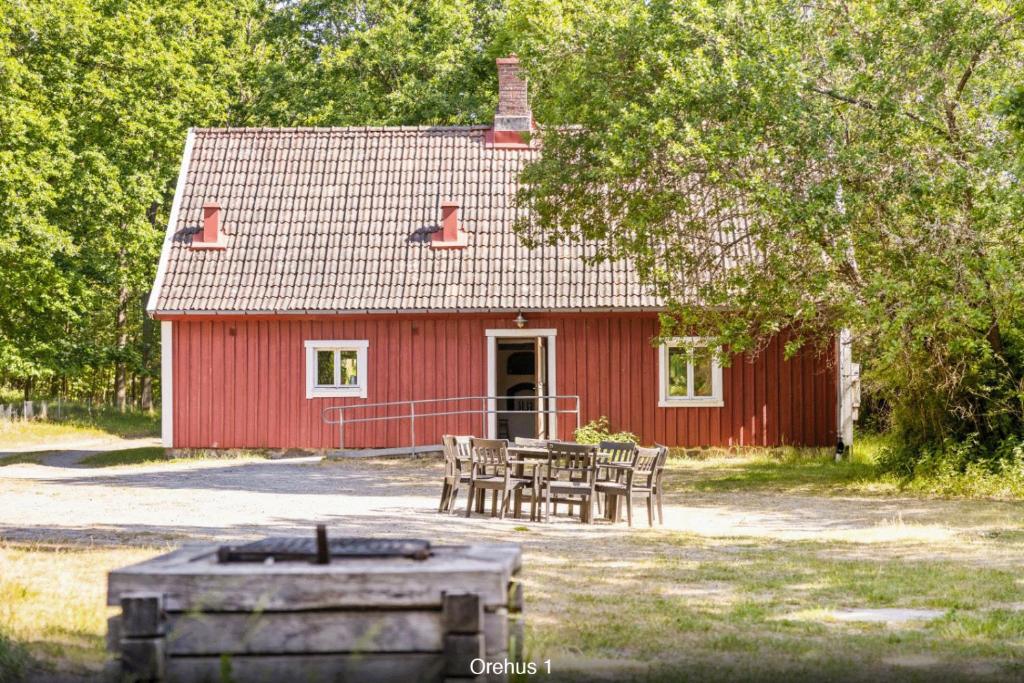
[69,453]
[168,504]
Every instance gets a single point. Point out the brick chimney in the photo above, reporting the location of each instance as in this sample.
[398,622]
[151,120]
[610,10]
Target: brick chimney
[449,236]
[211,236]
[513,120]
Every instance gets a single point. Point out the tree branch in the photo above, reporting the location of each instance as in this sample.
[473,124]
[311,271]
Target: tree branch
[871,106]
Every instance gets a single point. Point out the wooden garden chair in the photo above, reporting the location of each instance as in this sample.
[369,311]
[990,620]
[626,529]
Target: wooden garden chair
[570,477]
[493,470]
[639,481]
[528,442]
[457,460]
[613,453]
[659,471]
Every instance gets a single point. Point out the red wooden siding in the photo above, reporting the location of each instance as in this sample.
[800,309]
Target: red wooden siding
[240,382]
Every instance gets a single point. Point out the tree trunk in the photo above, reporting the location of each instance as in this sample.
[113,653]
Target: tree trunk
[120,370]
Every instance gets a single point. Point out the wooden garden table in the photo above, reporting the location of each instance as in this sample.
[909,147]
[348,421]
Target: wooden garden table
[537,453]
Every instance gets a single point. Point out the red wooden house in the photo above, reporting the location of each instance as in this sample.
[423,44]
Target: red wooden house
[308,268]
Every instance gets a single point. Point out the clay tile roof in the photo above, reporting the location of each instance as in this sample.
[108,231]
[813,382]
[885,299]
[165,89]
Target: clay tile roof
[339,220]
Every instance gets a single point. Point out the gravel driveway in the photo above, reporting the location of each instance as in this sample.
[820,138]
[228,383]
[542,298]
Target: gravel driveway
[231,499]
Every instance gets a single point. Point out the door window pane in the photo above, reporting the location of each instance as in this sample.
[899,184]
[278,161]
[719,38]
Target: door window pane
[702,372]
[325,368]
[677,380]
[349,367]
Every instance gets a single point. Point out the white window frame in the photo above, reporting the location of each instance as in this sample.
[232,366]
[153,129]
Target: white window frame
[715,400]
[313,346]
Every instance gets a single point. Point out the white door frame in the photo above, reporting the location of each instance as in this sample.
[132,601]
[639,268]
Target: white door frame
[492,371]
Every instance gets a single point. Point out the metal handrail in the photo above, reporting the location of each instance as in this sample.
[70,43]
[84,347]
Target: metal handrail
[412,415]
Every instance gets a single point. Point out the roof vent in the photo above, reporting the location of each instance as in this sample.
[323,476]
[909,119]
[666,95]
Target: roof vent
[212,236]
[449,236]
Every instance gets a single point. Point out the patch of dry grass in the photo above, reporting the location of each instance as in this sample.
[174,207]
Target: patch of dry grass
[78,426]
[53,601]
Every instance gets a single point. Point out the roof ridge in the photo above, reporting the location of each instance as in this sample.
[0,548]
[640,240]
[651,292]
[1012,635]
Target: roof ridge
[334,129]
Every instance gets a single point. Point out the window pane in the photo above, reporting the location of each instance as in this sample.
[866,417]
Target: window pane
[677,358]
[325,368]
[349,367]
[702,372]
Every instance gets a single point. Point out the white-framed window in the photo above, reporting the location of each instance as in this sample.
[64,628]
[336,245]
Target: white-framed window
[336,367]
[689,374]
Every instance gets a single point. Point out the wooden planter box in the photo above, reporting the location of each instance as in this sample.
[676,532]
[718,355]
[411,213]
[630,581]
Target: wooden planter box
[186,617]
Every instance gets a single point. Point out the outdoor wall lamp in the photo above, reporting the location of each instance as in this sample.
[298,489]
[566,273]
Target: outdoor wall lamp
[520,321]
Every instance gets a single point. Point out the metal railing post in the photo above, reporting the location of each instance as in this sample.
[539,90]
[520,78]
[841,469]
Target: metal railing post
[412,425]
[577,417]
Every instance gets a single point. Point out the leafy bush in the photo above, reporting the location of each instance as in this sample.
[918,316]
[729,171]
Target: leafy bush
[598,430]
[958,468]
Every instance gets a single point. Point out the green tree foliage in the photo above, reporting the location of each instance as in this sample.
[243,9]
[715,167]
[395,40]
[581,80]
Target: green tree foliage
[766,165]
[809,166]
[96,98]
[378,62]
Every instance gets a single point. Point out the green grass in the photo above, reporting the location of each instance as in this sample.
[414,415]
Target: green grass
[814,471]
[128,456]
[664,606]
[78,423]
[791,473]
[32,458]
[760,610]
[147,455]
[14,658]
[803,470]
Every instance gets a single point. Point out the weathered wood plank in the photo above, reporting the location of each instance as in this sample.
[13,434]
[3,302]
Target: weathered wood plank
[194,633]
[462,613]
[114,633]
[496,632]
[192,579]
[508,554]
[460,651]
[407,668]
[292,591]
[141,615]
[143,659]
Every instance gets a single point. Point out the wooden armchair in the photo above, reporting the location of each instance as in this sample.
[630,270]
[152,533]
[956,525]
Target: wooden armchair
[639,481]
[493,470]
[457,460]
[570,477]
